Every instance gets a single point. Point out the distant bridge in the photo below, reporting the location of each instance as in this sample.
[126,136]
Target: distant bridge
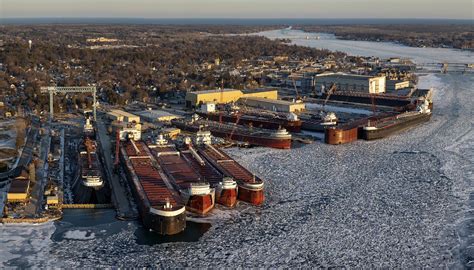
[446,67]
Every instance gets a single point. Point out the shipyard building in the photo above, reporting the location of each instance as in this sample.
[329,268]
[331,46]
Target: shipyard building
[126,124]
[350,82]
[275,105]
[196,98]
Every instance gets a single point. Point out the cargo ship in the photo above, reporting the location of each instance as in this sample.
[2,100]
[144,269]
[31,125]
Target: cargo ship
[195,191]
[91,175]
[367,98]
[386,126]
[160,210]
[255,118]
[250,186]
[225,187]
[280,138]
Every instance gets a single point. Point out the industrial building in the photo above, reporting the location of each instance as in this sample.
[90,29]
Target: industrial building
[157,116]
[350,82]
[123,116]
[272,104]
[194,99]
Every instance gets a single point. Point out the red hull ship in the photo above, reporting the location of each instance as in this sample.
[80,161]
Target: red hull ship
[225,187]
[159,208]
[194,190]
[250,186]
[256,119]
[280,139]
[91,175]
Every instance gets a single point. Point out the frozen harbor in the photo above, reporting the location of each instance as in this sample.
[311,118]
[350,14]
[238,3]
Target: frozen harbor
[401,202]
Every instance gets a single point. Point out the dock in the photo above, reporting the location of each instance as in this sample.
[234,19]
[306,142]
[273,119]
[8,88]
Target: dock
[119,192]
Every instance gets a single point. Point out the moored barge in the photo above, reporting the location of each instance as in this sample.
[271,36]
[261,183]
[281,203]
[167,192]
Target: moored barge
[194,190]
[250,186]
[256,119]
[159,209]
[386,126]
[280,139]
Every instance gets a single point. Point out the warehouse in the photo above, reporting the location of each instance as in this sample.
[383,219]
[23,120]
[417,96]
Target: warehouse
[350,82]
[194,99]
[123,116]
[272,104]
[157,116]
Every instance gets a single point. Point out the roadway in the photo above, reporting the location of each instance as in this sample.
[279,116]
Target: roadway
[119,192]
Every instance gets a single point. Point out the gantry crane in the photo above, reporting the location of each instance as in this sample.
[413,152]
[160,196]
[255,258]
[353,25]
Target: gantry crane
[69,89]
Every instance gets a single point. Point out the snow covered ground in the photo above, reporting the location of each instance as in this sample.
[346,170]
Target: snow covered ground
[401,202]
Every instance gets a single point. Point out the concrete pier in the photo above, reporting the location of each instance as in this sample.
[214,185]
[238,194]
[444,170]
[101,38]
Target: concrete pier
[119,192]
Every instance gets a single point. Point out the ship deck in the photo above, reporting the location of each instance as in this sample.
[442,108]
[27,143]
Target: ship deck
[229,166]
[176,166]
[148,175]
[206,170]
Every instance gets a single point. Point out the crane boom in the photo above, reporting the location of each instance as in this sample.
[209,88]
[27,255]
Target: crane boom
[329,93]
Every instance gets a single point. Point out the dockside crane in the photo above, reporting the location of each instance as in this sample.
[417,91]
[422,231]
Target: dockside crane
[331,90]
[296,90]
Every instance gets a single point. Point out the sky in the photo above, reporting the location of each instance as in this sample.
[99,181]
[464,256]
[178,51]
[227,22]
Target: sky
[436,9]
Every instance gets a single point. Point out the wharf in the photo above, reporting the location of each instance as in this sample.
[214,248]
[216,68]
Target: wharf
[119,193]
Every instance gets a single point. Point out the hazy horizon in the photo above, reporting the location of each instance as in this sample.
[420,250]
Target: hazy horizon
[239,9]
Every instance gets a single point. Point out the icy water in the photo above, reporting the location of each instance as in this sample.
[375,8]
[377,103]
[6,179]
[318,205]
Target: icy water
[401,202]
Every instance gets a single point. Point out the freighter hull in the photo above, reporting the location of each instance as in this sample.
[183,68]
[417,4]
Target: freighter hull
[227,197]
[367,99]
[256,140]
[250,187]
[279,143]
[163,224]
[158,208]
[313,125]
[255,197]
[200,204]
[398,126]
[292,126]
[335,135]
